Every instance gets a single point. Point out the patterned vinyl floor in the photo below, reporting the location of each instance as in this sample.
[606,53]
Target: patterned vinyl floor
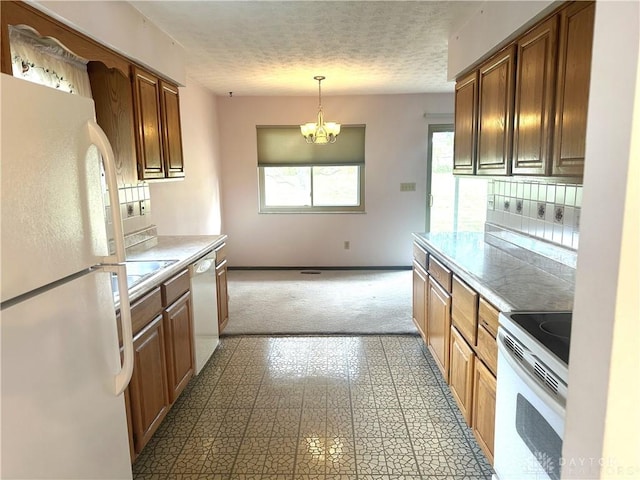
[357,407]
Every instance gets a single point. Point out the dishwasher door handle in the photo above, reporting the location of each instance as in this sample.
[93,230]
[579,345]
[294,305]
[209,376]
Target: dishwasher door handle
[204,265]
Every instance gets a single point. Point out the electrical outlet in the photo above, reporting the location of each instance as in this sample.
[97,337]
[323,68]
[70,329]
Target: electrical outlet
[347,244]
[408,187]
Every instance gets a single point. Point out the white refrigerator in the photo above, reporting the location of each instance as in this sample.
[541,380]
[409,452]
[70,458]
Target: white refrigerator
[63,372]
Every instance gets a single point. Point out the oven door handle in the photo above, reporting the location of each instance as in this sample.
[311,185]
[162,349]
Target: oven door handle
[529,379]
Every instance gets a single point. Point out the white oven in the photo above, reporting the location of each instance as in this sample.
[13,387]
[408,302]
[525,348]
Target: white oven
[530,408]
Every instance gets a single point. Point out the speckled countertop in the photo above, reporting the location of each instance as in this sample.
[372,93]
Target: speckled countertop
[508,276]
[184,248]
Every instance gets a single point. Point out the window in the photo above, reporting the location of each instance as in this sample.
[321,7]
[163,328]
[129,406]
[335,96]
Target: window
[454,203]
[296,177]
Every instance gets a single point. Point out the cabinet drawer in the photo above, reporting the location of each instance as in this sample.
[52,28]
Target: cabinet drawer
[488,316]
[487,349]
[420,255]
[145,309]
[464,309]
[221,253]
[174,287]
[441,273]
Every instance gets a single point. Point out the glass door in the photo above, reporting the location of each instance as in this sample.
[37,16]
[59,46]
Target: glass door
[453,203]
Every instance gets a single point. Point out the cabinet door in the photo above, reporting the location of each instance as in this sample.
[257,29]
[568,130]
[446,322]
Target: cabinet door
[495,114]
[171,132]
[466,115]
[438,325]
[534,112]
[572,92]
[178,319]
[484,408]
[113,99]
[146,97]
[223,298]
[420,299]
[461,373]
[464,309]
[148,387]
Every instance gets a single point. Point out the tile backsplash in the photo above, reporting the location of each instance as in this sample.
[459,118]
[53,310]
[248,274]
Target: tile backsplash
[548,211]
[135,207]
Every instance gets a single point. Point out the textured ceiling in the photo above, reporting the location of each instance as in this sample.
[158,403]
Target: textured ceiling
[276,48]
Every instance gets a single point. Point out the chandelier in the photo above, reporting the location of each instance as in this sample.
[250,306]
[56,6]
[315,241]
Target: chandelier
[320,132]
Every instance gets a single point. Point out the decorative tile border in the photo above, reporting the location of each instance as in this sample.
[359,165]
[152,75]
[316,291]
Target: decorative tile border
[546,211]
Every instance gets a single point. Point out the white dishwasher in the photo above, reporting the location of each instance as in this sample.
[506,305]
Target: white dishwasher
[205,307]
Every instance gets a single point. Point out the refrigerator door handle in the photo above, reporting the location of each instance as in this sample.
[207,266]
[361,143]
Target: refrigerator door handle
[100,140]
[123,377]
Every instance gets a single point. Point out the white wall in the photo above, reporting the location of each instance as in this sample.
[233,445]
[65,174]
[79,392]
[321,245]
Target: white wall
[192,206]
[603,420]
[395,150]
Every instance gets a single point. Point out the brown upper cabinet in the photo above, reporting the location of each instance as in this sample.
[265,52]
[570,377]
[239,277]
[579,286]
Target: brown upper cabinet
[535,81]
[572,91]
[113,100]
[532,101]
[464,143]
[140,115]
[495,113]
[157,117]
[171,130]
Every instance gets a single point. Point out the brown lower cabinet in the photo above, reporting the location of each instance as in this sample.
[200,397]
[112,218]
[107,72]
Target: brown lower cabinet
[438,325]
[179,342]
[484,408]
[148,387]
[163,356]
[221,287]
[461,365]
[419,298]
[460,332]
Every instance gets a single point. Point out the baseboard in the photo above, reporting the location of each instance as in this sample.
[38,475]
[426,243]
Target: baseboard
[400,267]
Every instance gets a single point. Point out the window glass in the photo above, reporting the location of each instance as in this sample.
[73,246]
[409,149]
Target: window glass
[335,185]
[287,186]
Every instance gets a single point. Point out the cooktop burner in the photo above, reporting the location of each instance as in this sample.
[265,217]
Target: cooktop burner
[551,329]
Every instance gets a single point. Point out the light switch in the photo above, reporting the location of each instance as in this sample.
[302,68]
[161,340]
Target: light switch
[408,187]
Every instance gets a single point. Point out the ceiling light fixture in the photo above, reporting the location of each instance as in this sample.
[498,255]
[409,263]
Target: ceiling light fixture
[320,132]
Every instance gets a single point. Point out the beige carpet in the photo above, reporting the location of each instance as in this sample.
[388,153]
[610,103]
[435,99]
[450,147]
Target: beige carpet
[332,301]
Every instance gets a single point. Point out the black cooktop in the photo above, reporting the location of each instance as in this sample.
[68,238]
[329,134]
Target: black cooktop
[551,329]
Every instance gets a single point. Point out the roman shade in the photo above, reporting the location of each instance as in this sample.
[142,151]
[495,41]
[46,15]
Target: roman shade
[284,146]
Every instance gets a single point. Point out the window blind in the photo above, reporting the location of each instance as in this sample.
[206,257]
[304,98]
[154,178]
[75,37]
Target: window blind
[285,145]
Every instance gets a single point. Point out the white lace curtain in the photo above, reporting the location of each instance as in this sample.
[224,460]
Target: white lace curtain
[44,61]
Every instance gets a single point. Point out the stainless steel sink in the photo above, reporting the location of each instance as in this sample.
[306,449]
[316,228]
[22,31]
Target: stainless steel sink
[140,270]
[146,267]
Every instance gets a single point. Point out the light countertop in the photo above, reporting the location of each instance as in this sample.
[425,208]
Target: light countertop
[510,277]
[186,249]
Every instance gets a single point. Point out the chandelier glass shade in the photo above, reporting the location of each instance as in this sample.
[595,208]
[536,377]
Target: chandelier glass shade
[320,132]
